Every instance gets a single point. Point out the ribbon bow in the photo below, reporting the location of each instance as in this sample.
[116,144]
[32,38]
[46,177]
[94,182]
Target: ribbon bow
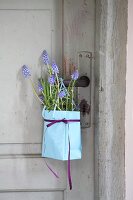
[54,121]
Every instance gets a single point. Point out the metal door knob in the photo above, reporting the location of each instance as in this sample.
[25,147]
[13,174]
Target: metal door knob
[82,81]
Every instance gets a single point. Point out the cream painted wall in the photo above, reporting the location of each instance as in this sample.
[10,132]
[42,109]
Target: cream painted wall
[129,107]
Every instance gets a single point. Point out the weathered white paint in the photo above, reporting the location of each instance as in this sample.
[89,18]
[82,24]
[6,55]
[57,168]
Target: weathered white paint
[110,74]
[26,28]
[25,34]
[30,173]
[20,149]
[129,107]
[79,30]
[79,35]
[52,195]
[22,43]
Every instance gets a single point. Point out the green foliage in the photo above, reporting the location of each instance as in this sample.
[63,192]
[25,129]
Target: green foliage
[53,93]
[51,98]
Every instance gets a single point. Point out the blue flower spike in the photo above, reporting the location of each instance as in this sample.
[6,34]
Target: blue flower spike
[75,75]
[55,68]
[45,57]
[41,98]
[62,94]
[40,87]
[25,71]
[51,80]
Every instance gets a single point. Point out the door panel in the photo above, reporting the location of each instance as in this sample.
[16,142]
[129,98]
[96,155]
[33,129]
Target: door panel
[26,27]
[21,173]
[19,149]
[23,39]
[25,33]
[51,195]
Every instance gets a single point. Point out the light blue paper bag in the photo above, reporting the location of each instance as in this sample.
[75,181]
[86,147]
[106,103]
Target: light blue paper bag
[57,135]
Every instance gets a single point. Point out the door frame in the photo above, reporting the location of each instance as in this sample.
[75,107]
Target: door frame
[110,90]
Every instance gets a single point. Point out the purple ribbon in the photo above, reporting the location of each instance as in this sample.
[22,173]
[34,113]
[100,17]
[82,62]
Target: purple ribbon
[54,173]
[66,121]
[69,167]
[54,121]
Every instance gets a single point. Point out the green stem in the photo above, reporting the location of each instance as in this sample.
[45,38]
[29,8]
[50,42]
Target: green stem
[58,107]
[72,93]
[45,99]
[50,90]
[62,104]
[58,88]
[34,91]
[68,94]
[48,67]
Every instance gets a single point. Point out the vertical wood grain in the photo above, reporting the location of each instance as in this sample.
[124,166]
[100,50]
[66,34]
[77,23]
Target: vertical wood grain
[79,35]
[110,75]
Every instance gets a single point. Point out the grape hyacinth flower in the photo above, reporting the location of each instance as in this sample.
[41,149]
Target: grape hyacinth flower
[51,80]
[41,97]
[77,107]
[45,57]
[25,71]
[75,75]
[55,68]
[62,94]
[40,87]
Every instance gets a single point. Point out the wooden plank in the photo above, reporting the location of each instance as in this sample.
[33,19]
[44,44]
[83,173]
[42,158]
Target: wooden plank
[83,171]
[79,36]
[31,173]
[20,149]
[26,4]
[110,91]
[79,27]
[32,195]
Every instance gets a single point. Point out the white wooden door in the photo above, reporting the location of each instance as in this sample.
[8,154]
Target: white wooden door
[27,27]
